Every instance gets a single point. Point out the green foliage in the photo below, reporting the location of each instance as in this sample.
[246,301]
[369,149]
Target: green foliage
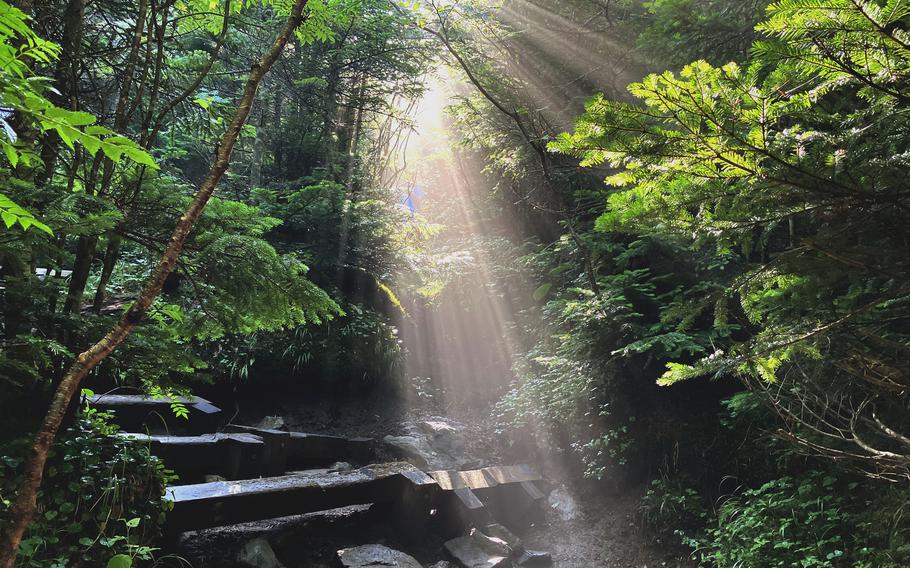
[102,500]
[675,32]
[814,520]
[582,383]
[358,348]
[673,508]
[796,164]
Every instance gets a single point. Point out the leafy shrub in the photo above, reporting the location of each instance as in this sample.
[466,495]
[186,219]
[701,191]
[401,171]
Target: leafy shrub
[102,498]
[811,521]
[359,347]
[673,509]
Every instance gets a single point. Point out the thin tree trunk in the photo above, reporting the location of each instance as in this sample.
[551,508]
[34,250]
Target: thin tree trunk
[258,151]
[85,256]
[25,502]
[110,260]
[66,80]
[85,249]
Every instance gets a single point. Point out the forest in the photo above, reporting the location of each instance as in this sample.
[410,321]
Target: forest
[321,283]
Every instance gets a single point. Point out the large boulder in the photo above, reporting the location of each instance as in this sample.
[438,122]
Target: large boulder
[415,449]
[258,553]
[444,436]
[375,556]
[435,443]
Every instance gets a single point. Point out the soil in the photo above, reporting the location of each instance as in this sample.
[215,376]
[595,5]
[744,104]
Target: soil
[606,531]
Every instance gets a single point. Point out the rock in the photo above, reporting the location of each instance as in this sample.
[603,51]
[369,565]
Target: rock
[258,553]
[491,544]
[211,478]
[562,502]
[443,564]
[271,423]
[534,558]
[504,534]
[375,556]
[341,466]
[468,553]
[436,443]
[444,437]
[416,449]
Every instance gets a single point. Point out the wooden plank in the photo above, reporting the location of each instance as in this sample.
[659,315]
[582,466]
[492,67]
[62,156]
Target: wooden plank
[143,413]
[485,478]
[317,449]
[277,442]
[230,455]
[221,503]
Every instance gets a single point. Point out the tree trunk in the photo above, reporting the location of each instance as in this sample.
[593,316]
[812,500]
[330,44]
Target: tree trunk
[25,502]
[85,256]
[258,151]
[110,260]
[66,80]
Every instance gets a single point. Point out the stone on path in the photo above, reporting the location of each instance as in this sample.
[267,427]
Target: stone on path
[443,564]
[562,502]
[434,443]
[271,423]
[375,556]
[491,544]
[504,534]
[470,554]
[444,437]
[415,448]
[258,553]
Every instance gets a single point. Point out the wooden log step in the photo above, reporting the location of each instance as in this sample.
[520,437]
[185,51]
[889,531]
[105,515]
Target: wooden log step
[307,450]
[233,456]
[138,413]
[222,503]
[485,478]
[277,445]
[506,493]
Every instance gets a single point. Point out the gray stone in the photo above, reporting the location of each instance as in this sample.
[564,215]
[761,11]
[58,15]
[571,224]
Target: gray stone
[562,502]
[341,466]
[436,443]
[271,423]
[491,544]
[375,555]
[444,437]
[416,449]
[534,558]
[443,564]
[212,478]
[504,534]
[467,552]
[258,554]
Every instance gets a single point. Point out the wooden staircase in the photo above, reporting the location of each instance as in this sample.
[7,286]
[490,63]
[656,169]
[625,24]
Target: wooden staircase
[269,474]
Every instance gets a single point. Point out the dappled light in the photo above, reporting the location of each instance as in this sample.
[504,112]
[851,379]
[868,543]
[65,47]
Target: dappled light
[454,283]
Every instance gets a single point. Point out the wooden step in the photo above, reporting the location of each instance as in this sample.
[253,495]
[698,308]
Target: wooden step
[408,490]
[509,494]
[139,413]
[318,449]
[233,456]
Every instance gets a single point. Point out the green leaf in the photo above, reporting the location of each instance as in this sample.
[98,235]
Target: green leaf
[542,291]
[120,561]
